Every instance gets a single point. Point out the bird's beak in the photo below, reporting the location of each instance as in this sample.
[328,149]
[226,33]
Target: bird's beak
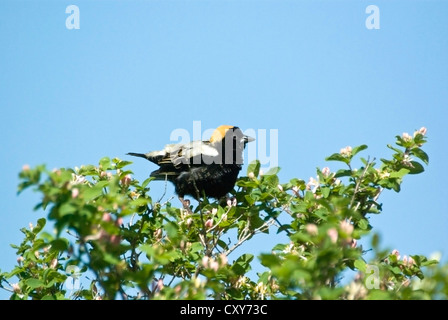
[247,139]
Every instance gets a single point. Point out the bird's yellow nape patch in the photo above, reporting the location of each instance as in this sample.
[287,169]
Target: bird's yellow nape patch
[220,133]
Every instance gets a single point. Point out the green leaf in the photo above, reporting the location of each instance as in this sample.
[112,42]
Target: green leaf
[419,153]
[343,173]
[272,171]
[358,149]
[60,245]
[399,174]
[40,225]
[325,192]
[360,265]
[416,168]
[66,209]
[147,181]
[242,265]
[337,157]
[34,283]
[105,163]
[254,167]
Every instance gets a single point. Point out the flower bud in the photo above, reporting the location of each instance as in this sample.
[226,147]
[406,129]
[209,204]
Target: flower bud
[20,259]
[396,253]
[16,288]
[204,262]
[346,227]
[103,174]
[422,131]
[119,221]
[214,265]
[333,234]
[354,243]
[106,217]
[223,259]
[261,173]
[326,172]
[209,223]
[75,193]
[411,261]
[312,230]
[126,180]
[189,222]
[280,187]
[26,167]
[406,137]
[251,175]
[37,254]
[115,239]
[405,260]
[346,152]
[31,226]
[214,211]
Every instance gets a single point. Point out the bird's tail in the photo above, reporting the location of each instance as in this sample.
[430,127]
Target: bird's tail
[141,155]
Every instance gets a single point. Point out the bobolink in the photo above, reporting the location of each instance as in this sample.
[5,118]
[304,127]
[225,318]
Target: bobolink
[201,168]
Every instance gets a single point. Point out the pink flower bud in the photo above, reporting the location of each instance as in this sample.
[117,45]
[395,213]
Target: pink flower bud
[204,261]
[333,234]
[346,152]
[406,137]
[214,265]
[326,172]
[223,259]
[251,175]
[396,253]
[346,227]
[405,260]
[103,174]
[311,228]
[25,167]
[31,226]
[20,259]
[115,240]
[119,221]
[106,217]
[422,131]
[354,243]
[126,180]
[411,261]
[209,223]
[75,193]
[16,288]
[109,175]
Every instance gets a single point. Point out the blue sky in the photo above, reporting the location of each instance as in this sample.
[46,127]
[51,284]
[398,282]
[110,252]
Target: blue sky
[137,70]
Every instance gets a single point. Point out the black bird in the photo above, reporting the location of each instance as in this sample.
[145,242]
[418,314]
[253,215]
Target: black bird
[202,168]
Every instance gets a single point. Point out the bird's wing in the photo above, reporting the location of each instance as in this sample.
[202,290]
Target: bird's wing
[186,154]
